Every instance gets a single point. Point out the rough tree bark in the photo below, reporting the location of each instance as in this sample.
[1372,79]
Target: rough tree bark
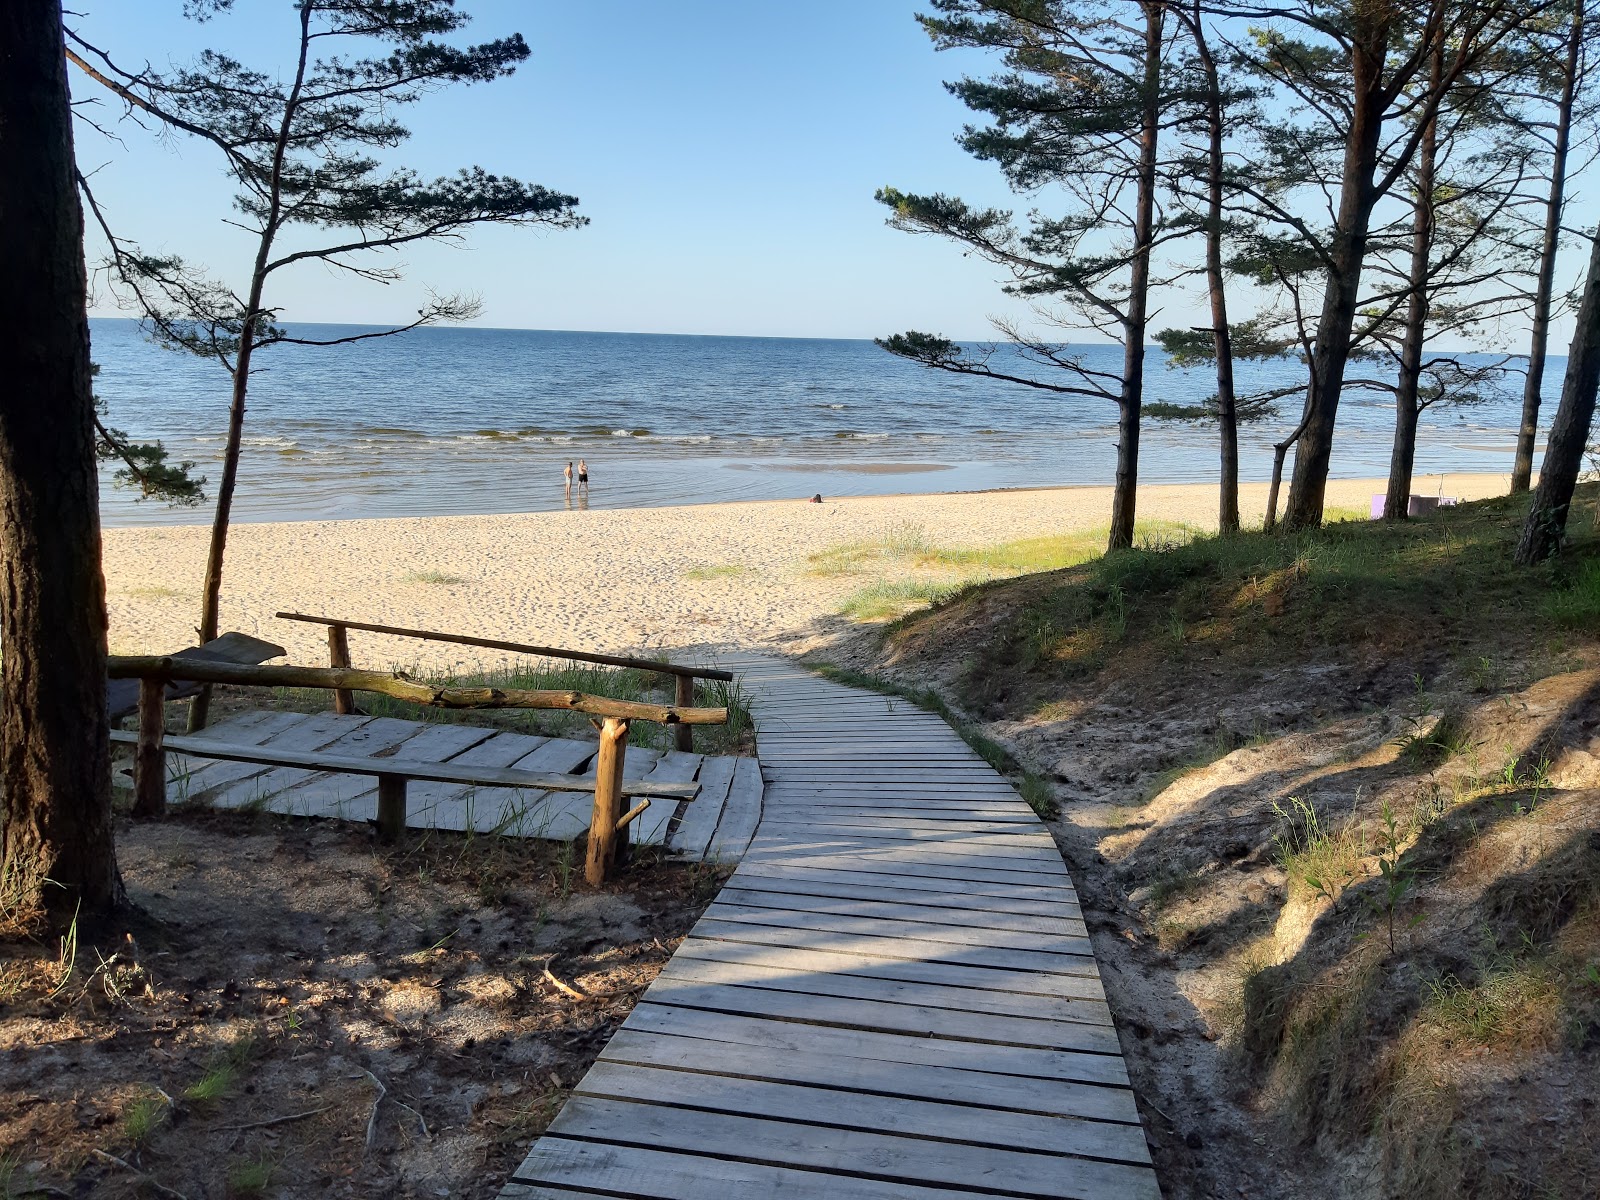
[1397,501]
[54,756]
[211,590]
[1538,343]
[1569,432]
[1357,196]
[1129,403]
[1227,410]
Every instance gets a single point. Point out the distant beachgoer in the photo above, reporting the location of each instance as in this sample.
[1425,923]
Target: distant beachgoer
[817,499]
[583,477]
[568,474]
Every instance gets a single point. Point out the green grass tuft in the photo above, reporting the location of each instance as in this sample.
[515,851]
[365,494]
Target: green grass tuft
[435,577]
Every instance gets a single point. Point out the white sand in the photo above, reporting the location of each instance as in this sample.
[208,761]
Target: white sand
[605,579]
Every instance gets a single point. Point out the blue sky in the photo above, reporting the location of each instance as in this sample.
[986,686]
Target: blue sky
[725,152]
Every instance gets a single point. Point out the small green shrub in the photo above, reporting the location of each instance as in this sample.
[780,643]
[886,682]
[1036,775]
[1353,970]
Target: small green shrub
[1577,606]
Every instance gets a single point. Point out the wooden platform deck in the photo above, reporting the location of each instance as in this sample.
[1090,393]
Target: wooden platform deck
[892,999]
[716,824]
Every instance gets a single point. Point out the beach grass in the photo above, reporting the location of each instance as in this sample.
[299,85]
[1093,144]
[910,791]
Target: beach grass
[710,571]
[914,572]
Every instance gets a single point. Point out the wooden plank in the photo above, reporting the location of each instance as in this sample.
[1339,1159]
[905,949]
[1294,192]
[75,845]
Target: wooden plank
[699,824]
[782,1039]
[844,985]
[501,750]
[741,812]
[874,885]
[310,733]
[825,1105]
[890,1156]
[841,942]
[752,893]
[951,830]
[375,735]
[275,758]
[332,794]
[877,925]
[603,1169]
[904,860]
[874,1075]
[675,766]
[800,962]
[956,878]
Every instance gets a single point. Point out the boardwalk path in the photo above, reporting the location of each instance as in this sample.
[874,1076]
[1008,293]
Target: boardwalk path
[892,999]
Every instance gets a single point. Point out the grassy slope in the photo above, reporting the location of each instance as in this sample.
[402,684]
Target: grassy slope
[1335,794]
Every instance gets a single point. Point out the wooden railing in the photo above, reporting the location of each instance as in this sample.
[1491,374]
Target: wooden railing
[339,656]
[608,825]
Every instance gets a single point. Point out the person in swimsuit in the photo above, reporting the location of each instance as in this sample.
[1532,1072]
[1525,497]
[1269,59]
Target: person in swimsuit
[568,474]
[583,477]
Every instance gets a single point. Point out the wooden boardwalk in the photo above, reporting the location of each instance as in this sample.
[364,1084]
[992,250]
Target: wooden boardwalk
[716,824]
[892,999]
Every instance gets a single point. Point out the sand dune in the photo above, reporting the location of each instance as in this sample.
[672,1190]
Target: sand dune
[604,579]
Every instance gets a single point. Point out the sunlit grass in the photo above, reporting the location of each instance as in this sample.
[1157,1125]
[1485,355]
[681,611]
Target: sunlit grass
[704,573]
[915,572]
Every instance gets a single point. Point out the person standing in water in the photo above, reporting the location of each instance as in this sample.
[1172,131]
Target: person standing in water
[583,478]
[568,474]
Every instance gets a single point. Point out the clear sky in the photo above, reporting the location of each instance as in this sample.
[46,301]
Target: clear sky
[726,152]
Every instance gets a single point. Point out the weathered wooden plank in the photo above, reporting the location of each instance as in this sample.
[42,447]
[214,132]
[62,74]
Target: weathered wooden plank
[675,766]
[887,945]
[847,986]
[801,961]
[604,1169]
[823,1105]
[699,823]
[876,925]
[781,1039]
[309,734]
[904,861]
[430,743]
[741,812]
[878,885]
[374,736]
[752,893]
[886,1155]
[874,1075]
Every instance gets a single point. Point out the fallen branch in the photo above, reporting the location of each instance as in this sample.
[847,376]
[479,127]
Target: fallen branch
[578,993]
[299,1116]
[148,1181]
[372,1121]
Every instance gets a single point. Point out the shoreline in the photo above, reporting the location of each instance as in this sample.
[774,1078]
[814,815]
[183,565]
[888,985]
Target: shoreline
[1474,480]
[648,578]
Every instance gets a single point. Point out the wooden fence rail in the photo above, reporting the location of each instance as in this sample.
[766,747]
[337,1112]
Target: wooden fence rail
[607,830]
[339,656]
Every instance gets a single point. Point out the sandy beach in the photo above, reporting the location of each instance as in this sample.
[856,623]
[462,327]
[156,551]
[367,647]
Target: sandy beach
[618,579]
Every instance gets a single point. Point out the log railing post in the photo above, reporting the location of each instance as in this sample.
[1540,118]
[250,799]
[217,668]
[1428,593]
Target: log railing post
[149,758]
[391,807]
[344,700]
[606,841]
[685,699]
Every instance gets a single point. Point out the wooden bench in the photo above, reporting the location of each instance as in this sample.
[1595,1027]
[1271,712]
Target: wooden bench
[394,773]
[608,834]
[122,695]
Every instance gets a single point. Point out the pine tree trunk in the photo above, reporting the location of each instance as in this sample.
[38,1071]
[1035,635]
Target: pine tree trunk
[55,764]
[1538,343]
[1569,432]
[1125,495]
[1308,485]
[1227,408]
[211,593]
[1397,503]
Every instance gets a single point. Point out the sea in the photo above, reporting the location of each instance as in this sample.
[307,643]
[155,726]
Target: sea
[471,420]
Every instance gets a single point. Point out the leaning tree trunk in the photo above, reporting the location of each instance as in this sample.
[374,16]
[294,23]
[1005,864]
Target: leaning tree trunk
[55,765]
[1569,432]
[1402,458]
[1125,495]
[1222,338]
[1308,485]
[1538,343]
